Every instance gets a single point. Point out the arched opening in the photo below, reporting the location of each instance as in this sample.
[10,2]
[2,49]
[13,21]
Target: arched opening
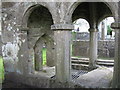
[81,27]
[40,39]
[79,35]
[93,12]
[106,32]
[40,17]
[44,53]
[106,41]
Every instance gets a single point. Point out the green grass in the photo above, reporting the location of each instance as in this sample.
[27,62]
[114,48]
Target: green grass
[73,35]
[44,56]
[1,70]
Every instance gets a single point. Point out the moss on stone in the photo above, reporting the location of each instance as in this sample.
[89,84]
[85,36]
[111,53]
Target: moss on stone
[1,70]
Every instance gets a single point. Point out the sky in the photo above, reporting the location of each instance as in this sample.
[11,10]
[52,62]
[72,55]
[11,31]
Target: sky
[83,25]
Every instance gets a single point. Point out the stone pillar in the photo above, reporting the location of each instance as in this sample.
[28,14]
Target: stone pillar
[50,54]
[62,35]
[116,74]
[38,59]
[23,54]
[38,55]
[31,60]
[93,35]
[103,31]
[93,47]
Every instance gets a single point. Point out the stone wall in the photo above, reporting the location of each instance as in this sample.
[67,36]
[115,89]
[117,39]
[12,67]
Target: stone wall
[0,46]
[105,48]
[17,41]
[83,36]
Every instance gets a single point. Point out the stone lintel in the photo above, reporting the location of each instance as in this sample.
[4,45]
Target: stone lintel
[62,27]
[115,25]
[24,29]
[93,30]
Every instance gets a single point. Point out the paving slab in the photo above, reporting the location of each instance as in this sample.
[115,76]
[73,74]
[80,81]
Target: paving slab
[98,78]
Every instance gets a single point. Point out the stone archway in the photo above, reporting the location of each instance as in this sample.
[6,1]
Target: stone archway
[74,5]
[44,42]
[38,22]
[90,12]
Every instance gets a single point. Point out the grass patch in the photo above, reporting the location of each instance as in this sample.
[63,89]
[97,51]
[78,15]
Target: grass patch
[44,56]
[1,70]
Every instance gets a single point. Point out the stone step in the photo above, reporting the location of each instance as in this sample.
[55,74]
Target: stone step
[85,61]
[80,66]
[110,61]
[107,64]
[75,58]
[80,61]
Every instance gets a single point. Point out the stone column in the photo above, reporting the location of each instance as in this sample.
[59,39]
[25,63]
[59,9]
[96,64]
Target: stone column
[103,31]
[31,61]
[38,55]
[93,35]
[62,35]
[93,47]
[38,58]
[116,74]
[23,54]
[50,54]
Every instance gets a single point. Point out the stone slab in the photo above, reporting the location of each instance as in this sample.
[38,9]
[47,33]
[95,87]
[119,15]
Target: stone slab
[99,78]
